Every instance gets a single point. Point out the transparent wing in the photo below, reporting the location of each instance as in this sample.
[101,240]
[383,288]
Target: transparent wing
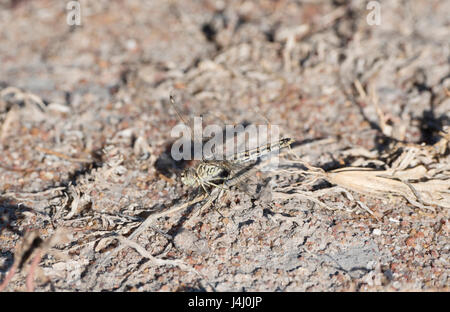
[231,167]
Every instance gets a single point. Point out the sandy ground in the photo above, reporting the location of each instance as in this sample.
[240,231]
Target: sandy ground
[91,160]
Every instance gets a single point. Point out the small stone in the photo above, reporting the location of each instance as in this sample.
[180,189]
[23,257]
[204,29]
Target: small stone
[396,285]
[376,232]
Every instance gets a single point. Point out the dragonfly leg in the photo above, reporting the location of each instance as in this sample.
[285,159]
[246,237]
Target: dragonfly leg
[202,184]
[216,185]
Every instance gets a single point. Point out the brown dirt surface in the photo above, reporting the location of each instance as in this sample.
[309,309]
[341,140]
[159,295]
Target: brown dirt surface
[85,138]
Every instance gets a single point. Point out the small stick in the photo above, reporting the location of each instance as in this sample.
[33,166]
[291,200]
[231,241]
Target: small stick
[63,156]
[30,277]
[37,194]
[144,253]
[9,276]
[144,225]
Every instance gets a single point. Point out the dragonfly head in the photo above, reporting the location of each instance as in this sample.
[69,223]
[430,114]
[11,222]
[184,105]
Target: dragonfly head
[188,177]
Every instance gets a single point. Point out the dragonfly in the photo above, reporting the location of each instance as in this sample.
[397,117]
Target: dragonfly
[209,172]
[217,173]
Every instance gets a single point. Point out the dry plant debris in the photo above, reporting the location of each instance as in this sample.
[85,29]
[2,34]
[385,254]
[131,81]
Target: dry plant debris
[419,173]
